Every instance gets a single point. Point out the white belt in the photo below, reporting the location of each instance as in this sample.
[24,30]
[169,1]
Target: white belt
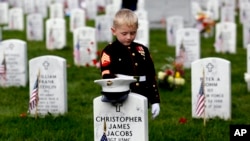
[138,78]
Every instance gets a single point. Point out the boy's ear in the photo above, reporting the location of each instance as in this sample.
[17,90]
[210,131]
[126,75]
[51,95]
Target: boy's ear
[113,30]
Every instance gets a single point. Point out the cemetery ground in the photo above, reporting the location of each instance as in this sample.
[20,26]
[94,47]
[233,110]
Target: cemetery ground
[174,122]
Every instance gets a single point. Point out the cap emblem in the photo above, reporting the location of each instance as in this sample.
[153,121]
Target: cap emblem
[109,83]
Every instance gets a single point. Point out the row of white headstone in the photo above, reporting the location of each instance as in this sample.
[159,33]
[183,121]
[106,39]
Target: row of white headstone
[51,71]
[217,81]
[210,78]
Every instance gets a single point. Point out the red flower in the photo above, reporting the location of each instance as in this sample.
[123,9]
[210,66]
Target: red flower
[23,115]
[169,72]
[182,120]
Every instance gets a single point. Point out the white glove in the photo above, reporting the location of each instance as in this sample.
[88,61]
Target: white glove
[155,110]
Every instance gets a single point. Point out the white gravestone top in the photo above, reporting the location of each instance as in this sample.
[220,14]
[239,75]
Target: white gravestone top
[173,24]
[56,10]
[225,37]
[211,88]
[227,14]
[13,57]
[4,12]
[52,84]
[41,7]
[29,6]
[55,33]
[16,21]
[141,14]
[103,24]
[91,9]
[34,27]
[77,18]
[213,8]
[246,34]
[245,13]
[247,74]
[85,46]
[187,45]
[142,35]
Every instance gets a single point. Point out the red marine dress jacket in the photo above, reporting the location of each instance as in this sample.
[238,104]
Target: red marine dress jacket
[133,60]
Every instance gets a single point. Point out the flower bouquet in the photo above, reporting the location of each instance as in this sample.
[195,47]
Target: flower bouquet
[204,23]
[171,74]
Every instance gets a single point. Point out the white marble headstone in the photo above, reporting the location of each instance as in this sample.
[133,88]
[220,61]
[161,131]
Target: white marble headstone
[41,7]
[55,33]
[34,27]
[173,24]
[142,35]
[225,37]
[213,8]
[4,10]
[245,13]
[91,9]
[187,45]
[14,52]
[227,14]
[29,6]
[111,9]
[141,14]
[141,5]
[247,74]
[246,34]
[52,84]
[227,3]
[73,4]
[127,121]
[1,36]
[103,24]
[56,10]
[16,3]
[215,73]
[16,19]
[77,18]
[85,46]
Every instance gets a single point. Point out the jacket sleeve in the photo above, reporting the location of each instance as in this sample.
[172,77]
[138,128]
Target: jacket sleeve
[106,63]
[154,96]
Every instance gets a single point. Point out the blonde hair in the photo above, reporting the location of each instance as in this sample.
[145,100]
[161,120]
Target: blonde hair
[125,17]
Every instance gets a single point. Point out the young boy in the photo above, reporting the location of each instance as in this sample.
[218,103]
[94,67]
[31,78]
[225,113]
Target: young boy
[126,58]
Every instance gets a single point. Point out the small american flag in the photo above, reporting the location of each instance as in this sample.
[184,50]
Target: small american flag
[34,96]
[104,137]
[200,105]
[219,42]
[51,39]
[3,69]
[171,35]
[77,52]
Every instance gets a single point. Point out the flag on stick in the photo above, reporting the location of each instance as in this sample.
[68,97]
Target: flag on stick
[200,105]
[104,137]
[219,43]
[3,69]
[51,39]
[77,52]
[34,94]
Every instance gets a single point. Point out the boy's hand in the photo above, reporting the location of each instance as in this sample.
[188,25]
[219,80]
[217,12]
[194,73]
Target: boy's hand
[155,110]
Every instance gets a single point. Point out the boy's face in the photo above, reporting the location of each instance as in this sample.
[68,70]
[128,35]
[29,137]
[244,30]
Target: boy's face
[124,34]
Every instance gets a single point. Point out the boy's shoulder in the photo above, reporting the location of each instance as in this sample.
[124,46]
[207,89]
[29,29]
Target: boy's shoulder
[140,45]
[110,45]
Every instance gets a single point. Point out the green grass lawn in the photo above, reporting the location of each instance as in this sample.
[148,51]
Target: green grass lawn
[77,124]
